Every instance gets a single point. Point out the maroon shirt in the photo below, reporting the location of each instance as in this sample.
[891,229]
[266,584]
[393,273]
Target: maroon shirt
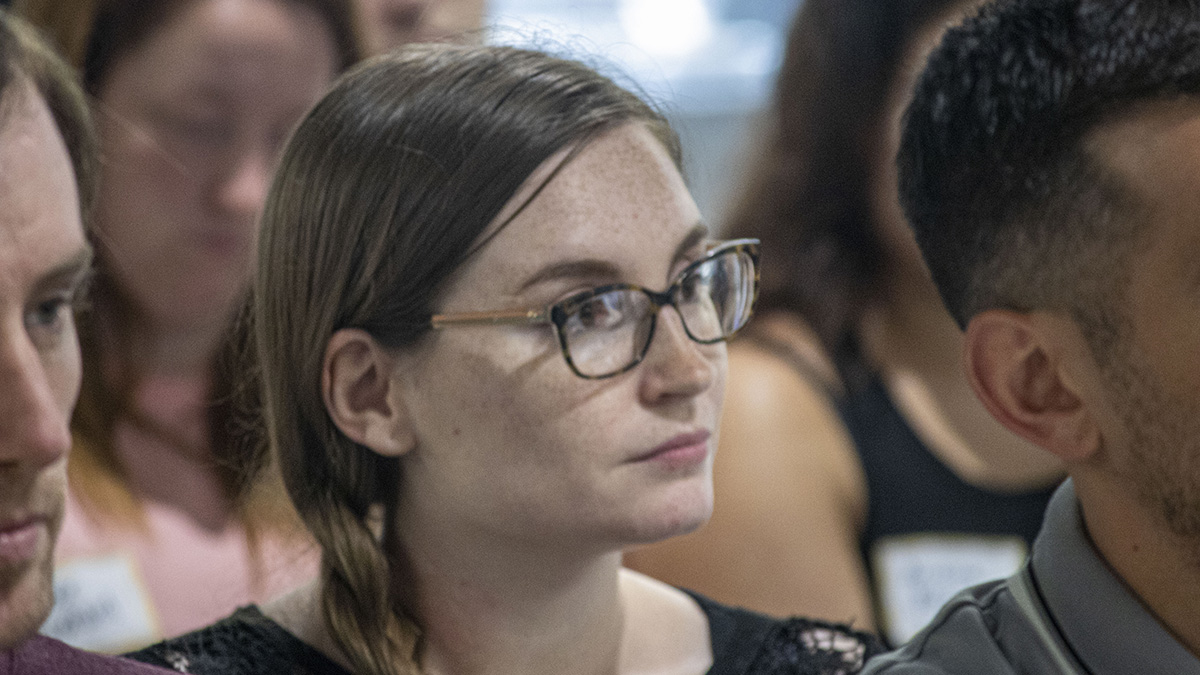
[46,656]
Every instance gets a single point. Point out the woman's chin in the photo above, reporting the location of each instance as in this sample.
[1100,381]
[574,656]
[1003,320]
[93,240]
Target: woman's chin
[682,512]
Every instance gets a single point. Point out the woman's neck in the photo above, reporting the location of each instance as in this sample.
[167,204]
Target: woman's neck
[640,626]
[171,350]
[503,609]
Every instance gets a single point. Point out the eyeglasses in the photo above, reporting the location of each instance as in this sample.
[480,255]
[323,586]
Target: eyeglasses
[607,330]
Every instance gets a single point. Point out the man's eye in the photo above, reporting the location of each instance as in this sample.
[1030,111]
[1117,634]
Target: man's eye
[49,318]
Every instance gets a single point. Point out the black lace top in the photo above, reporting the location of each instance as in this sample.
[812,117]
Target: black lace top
[744,643]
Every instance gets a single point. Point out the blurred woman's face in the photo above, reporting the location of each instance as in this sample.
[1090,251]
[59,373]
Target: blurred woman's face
[192,120]
[511,445]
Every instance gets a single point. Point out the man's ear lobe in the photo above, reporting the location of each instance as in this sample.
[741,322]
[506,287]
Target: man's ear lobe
[1015,364]
[362,395]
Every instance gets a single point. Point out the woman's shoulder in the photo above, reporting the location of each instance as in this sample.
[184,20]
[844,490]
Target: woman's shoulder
[783,343]
[245,643]
[748,643]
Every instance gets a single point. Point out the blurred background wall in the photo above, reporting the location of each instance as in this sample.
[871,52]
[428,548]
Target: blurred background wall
[709,63]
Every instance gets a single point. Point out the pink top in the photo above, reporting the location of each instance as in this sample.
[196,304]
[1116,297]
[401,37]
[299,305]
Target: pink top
[119,587]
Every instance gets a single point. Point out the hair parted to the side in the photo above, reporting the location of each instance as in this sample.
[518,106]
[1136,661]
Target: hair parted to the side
[1009,208]
[809,194]
[384,190]
[27,65]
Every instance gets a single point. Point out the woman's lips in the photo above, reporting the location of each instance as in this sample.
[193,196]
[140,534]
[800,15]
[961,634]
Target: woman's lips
[682,451]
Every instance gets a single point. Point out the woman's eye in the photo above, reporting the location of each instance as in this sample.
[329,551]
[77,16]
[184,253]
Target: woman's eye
[696,284]
[601,312]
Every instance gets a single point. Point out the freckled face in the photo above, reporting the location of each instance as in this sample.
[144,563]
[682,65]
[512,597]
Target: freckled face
[512,444]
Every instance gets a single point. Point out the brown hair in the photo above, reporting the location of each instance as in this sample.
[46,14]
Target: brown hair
[809,196]
[92,34]
[26,59]
[382,193]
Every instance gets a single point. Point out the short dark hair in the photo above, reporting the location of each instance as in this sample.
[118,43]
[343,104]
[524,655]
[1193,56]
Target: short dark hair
[1009,207]
[26,62]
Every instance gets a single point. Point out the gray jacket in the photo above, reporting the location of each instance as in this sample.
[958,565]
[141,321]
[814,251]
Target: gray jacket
[1065,612]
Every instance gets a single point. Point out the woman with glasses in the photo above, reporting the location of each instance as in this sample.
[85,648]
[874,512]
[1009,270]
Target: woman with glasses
[490,326]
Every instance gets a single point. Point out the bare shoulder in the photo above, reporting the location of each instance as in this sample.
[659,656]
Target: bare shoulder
[783,415]
[788,332]
[665,629]
[299,613]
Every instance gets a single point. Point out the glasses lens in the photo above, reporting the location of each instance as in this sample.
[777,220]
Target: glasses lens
[715,298]
[607,332]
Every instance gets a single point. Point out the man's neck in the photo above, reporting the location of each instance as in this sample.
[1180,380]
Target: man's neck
[1161,568]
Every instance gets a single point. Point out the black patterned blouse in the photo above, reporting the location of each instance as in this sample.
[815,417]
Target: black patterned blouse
[743,642]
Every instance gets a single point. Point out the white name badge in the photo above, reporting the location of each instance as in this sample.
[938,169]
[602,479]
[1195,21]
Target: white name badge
[100,604]
[917,574]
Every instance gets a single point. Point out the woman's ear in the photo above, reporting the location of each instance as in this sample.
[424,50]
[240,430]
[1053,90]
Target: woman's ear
[1015,363]
[362,395]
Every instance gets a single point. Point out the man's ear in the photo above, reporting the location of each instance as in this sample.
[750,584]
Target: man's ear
[1015,363]
[362,394]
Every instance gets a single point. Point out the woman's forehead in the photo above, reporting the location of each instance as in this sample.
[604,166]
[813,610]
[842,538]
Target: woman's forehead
[620,198]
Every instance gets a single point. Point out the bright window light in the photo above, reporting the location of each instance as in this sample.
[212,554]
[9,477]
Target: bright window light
[666,28]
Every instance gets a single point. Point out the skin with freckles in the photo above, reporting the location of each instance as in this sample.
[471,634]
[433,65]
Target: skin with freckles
[521,482]
[548,456]
[43,262]
[192,121]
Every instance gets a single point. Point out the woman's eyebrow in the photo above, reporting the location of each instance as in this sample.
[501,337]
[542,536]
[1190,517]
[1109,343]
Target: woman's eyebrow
[594,268]
[698,233]
[587,268]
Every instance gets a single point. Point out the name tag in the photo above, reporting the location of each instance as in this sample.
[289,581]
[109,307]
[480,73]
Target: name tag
[100,604]
[917,574]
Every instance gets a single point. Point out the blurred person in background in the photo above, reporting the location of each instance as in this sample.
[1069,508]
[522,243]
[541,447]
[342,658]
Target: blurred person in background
[858,478]
[47,185]
[193,100]
[391,23]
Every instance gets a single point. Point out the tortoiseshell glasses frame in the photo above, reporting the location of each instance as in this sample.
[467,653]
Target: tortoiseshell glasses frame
[607,330]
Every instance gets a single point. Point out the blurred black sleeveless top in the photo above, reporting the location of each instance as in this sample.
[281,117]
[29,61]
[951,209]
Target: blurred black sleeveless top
[743,643]
[927,532]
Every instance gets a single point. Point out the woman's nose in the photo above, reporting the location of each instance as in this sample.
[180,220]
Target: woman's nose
[676,366]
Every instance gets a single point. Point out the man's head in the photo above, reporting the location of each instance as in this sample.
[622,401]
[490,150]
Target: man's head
[46,158]
[1050,165]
